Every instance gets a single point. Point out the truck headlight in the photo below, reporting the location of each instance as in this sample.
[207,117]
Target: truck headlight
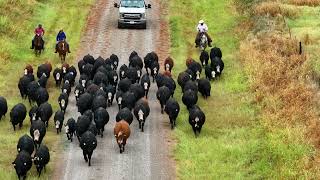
[121,15]
[143,15]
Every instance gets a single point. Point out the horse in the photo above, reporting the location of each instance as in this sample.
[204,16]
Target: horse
[38,45]
[203,41]
[62,50]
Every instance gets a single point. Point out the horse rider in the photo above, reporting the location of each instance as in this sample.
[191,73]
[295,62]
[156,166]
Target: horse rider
[39,31]
[202,28]
[62,37]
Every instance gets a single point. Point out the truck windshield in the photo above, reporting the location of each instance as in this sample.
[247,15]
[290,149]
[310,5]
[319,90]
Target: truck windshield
[132,4]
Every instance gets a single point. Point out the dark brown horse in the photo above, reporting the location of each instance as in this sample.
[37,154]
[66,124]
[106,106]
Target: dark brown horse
[62,50]
[38,45]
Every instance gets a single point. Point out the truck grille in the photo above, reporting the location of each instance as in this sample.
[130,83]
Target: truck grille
[132,16]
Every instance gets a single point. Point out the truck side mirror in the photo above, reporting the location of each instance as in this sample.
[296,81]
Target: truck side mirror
[149,5]
[116,5]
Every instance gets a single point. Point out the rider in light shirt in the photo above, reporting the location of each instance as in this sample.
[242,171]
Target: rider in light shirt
[202,28]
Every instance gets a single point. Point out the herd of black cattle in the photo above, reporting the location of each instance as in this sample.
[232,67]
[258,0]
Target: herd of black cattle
[98,84]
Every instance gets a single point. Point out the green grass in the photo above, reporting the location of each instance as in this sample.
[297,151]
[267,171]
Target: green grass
[234,143]
[17,22]
[307,23]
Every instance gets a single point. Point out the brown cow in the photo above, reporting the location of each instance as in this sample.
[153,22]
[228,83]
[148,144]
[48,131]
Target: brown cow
[167,73]
[122,133]
[65,67]
[168,64]
[28,69]
[48,64]
[189,61]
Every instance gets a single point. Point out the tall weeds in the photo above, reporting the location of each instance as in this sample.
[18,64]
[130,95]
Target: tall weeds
[279,78]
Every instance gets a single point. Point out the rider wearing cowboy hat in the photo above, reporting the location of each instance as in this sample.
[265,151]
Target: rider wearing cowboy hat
[60,37]
[202,28]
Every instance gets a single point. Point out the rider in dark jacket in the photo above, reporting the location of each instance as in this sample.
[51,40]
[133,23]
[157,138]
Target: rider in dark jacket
[60,37]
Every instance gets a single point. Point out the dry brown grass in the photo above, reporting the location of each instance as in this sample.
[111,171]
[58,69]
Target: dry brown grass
[274,9]
[305,2]
[278,78]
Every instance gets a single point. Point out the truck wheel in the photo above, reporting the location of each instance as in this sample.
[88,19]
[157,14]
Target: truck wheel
[144,26]
[120,26]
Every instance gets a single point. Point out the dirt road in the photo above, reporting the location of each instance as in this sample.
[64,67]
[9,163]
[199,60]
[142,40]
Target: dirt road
[147,153]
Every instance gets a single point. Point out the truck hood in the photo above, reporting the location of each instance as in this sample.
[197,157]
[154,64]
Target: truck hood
[132,10]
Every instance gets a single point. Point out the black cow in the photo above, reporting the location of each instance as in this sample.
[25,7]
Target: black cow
[196,119]
[99,101]
[42,95]
[70,128]
[88,144]
[25,143]
[57,75]
[210,73]
[84,102]
[163,94]
[63,101]
[3,107]
[82,125]
[183,78]
[204,58]
[33,113]
[141,111]
[124,114]
[78,90]
[23,86]
[41,158]
[172,108]
[45,112]
[17,115]
[101,118]
[145,83]
[204,87]
[22,164]
[58,120]
[110,91]
[190,85]
[189,98]
[37,132]
[124,85]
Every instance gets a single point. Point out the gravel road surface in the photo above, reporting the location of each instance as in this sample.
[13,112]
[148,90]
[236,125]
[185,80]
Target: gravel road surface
[147,154]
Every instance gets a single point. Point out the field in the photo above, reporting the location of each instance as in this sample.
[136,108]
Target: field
[256,127]
[16,31]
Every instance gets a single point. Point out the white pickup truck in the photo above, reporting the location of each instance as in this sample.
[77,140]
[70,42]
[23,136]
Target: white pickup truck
[132,13]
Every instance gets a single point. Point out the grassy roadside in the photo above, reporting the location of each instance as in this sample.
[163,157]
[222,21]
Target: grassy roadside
[238,140]
[17,22]
[224,148]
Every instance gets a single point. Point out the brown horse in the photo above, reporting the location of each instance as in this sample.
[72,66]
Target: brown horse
[38,45]
[62,50]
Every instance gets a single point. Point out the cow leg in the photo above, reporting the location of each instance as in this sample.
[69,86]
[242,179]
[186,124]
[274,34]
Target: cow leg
[172,123]
[39,171]
[89,157]
[20,125]
[14,127]
[161,108]
[101,133]
[142,125]
[85,156]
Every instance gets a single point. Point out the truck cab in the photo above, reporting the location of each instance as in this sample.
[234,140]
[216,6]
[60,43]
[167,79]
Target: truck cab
[132,13]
